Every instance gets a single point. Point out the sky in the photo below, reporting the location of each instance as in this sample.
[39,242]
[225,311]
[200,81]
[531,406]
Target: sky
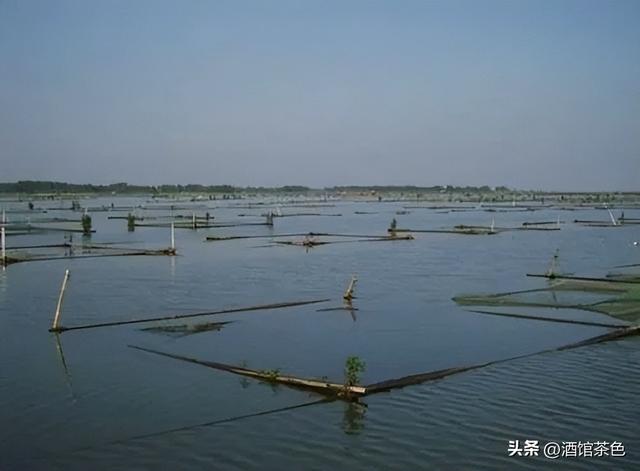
[529,94]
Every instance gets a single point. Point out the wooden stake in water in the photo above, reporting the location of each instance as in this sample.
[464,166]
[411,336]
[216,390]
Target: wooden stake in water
[193,220]
[551,272]
[3,242]
[56,320]
[613,219]
[348,294]
[173,237]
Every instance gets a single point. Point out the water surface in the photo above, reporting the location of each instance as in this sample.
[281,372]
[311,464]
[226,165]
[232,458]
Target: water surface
[81,413]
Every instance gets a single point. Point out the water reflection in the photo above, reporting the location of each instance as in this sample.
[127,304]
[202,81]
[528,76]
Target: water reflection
[402,282]
[4,281]
[65,367]
[172,267]
[353,417]
[347,306]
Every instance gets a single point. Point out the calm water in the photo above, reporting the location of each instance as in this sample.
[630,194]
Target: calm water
[86,412]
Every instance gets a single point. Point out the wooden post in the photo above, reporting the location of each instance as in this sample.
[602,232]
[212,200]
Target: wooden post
[56,320]
[193,220]
[348,295]
[173,237]
[613,219]
[551,272]
[392,228]
[3,242]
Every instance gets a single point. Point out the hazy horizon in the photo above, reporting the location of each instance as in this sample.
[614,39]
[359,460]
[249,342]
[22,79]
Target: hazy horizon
[533,95]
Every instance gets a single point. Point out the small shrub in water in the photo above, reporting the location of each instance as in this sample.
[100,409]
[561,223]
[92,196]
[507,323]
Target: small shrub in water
[131,222]
[353,368]
[86,224]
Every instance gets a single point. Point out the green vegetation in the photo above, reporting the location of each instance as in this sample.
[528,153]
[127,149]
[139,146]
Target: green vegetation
[56,188]
[440,193]
[131,222]
[353,369]
[86,224]
[272,375]
[417,189]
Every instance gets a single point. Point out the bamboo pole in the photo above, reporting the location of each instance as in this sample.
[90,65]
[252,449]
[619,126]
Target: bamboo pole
[273,377]
[197,314]
[56,320]
[580,278]
[439,374]
[3,242]
[613,219]
[387,385]
[173,238]
[308,242]
[129,253]
[542,223]
[297,234]
[188,225]
[348,294]
[324,400]
[609,336]
[548,319]
[334,388]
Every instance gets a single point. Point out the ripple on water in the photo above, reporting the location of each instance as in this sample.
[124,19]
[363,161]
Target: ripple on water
[406,323]
[461,422]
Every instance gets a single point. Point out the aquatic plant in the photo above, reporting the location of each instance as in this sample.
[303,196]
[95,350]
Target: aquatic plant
[131,222]
[86,224]
[353,369]
[271,375]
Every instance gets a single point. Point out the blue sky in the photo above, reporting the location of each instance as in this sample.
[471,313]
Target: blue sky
[529,94]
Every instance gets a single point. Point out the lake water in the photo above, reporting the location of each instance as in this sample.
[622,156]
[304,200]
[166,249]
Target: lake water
[106,405]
